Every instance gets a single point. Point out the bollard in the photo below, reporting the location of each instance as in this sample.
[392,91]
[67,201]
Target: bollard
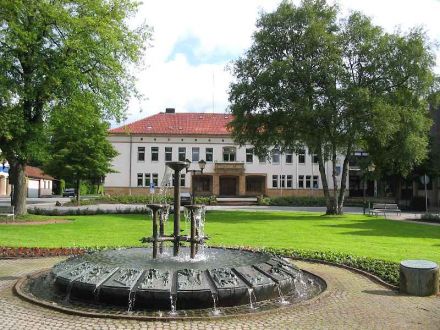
[419,277]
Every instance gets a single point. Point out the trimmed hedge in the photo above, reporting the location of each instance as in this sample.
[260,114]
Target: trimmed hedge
[386,270]
[296,201]
[206,200]
[123,199]
[430,217]
[87,211]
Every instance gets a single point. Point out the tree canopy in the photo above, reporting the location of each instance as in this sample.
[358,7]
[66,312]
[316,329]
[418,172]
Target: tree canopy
[55,50]
[336,85]
[79,149]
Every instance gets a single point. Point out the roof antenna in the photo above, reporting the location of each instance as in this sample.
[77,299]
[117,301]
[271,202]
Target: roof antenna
[213,92]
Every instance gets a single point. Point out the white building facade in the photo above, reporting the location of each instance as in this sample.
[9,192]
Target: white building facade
[146,145]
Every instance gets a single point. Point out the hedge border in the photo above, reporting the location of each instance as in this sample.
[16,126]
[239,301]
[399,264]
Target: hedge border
[387,276]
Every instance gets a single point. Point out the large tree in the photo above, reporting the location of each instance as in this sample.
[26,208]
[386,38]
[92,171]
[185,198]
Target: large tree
[79,148]
[51,50]
[332,84]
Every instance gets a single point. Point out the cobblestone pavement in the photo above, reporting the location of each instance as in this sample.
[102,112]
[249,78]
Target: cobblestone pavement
[350,302]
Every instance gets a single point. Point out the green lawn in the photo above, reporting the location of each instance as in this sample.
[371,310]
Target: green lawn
[354,234]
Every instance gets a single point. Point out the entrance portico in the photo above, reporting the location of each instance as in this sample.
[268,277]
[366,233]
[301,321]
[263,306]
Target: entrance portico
[5,188]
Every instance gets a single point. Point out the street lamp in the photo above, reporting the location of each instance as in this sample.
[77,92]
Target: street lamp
[202,165]
[370,168]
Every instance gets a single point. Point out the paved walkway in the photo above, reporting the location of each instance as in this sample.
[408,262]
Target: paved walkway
[350,302]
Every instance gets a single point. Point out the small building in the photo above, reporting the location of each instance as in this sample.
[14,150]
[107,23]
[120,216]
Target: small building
[231,170]
[5,187]
[38,183]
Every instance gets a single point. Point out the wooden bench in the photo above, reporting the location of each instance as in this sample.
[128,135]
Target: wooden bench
[384,208]
[7,211]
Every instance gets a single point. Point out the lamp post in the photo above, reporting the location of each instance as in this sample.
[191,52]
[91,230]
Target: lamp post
[370,168]
[202,165]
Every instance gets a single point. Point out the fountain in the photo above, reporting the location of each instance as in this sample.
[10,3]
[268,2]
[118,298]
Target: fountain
[173,278]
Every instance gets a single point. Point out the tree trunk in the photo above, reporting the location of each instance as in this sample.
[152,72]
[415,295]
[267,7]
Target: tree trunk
[78,184]
[397,188]
[19,192]
[335,183]
[343,182]
[328,200]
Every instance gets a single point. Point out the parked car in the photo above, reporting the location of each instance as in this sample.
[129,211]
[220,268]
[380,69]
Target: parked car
[69,192]
[185,198]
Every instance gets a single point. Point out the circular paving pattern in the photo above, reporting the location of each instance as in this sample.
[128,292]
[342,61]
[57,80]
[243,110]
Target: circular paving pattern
[351,301]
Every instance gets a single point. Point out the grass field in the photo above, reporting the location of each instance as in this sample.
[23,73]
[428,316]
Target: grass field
[354,234]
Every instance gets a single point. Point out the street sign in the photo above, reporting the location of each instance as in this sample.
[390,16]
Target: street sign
[424,179]
[152,188]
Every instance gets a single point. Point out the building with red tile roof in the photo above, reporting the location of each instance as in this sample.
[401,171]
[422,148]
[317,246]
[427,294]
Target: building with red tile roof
[145,146]
[169,123]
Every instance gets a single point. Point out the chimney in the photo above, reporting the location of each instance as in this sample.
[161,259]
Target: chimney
[170,110]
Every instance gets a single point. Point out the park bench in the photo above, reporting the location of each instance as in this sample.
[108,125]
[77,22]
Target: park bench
[7,211]
[384,208]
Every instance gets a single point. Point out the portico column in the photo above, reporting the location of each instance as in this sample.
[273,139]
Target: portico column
[242,185]
[2,186]
[8,187]
[216,185]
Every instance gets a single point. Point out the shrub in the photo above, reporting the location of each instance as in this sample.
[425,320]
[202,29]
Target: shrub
[206,200]
[431,217]
[87,211]
[297,201]
[386,270]
[263,201]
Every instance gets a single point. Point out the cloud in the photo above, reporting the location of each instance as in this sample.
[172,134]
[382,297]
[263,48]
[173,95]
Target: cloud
[194,40]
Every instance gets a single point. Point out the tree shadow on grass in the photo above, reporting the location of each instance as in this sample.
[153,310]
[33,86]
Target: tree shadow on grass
[245,217]
[381,227]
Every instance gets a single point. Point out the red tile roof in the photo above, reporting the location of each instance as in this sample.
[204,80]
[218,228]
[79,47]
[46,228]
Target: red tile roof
[35,172]
[178,124]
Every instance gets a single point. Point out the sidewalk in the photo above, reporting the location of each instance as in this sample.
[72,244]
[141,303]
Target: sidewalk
[351,301]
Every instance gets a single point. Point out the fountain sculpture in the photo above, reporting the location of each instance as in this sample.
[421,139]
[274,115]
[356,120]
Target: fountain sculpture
[178,278]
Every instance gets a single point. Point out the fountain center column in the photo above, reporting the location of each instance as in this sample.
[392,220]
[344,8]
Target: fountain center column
[177,167]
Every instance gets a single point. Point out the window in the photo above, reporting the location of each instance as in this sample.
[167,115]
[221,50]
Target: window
[262,159]
[155,179]
[275,156]
[274,181]
[141,154]
[308,181]
[209,154]
[182,154]
[168,154]
[182,180]
[147,179]
[289,181]
[301,181]
[289,157]
[282,181]
[315,182]
[154,154]
[249,155]
[301,156]
[140,178]
[314,158]
[229,154]
[195,154]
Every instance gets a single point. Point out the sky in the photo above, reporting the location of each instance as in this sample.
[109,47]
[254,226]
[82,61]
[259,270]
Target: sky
[194,41]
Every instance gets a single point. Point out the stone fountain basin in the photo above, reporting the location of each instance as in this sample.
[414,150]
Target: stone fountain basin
[131,276]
